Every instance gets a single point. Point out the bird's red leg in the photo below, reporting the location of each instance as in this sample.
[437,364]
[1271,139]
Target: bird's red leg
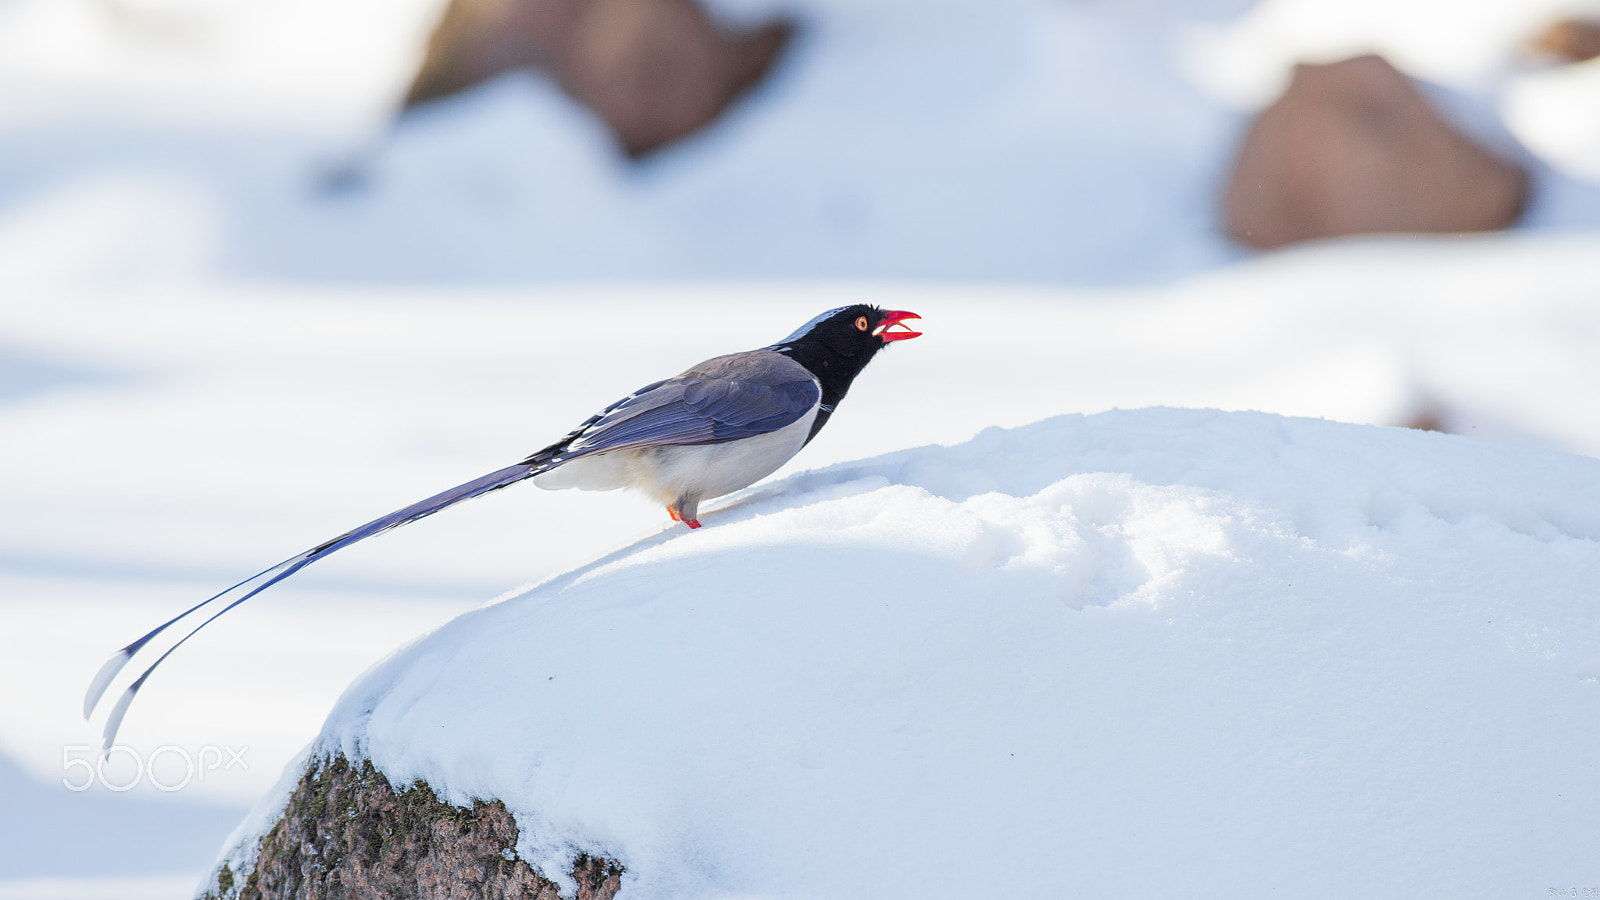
[676,511]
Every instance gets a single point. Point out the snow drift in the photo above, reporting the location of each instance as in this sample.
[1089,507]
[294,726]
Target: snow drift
[1142,653]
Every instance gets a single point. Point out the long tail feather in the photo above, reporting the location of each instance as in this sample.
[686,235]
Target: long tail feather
[262,580]
[102,678]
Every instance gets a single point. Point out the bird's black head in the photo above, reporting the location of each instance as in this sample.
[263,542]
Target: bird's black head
[853,330]
[838,344]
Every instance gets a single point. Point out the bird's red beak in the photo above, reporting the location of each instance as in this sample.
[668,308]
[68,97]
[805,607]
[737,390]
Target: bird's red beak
[895,318]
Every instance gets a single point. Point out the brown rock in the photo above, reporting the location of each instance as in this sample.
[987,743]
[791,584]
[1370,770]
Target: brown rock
[1352,148]
[1569,40]
[1426,419]
[348,835]
[653,70]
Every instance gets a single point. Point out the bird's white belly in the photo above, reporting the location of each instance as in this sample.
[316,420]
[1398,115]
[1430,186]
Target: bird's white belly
[698,471]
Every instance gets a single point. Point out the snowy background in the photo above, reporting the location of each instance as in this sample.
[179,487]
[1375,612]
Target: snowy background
[211,360]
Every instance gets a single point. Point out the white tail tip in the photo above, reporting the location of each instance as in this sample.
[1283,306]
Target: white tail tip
[102,680]
[115,720]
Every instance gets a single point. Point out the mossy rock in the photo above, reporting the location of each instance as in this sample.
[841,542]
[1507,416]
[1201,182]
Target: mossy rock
[347,833]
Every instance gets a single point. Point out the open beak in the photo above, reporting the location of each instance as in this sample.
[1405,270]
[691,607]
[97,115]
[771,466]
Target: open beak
[896,319]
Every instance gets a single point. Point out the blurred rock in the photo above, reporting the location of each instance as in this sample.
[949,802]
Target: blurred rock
[1569,40]
[1427,419]
[1352,148]
[653,70]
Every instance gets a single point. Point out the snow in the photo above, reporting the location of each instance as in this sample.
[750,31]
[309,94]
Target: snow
[261,420]
[137,887]
[1463,45]
[1536,109]
[210,361]
[1141,652]
[42,819]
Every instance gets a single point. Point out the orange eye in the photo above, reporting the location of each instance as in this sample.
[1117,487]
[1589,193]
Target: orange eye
[862,324]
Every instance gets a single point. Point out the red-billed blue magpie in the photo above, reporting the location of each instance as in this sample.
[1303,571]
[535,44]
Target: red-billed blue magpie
[715,428]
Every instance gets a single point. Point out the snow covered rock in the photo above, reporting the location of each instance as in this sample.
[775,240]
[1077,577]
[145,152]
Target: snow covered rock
[652,70]
[1569,40]
[1140,654]
[1352,148]
[347,833]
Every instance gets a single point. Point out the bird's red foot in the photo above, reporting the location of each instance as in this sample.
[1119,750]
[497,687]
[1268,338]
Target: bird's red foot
[677,516]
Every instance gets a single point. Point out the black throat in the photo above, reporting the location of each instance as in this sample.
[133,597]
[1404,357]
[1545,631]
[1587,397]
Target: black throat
[834,367]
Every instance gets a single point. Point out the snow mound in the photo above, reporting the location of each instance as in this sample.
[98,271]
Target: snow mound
[1141,653]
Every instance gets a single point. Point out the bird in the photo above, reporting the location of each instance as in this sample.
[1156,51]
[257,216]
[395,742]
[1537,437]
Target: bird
[715,428]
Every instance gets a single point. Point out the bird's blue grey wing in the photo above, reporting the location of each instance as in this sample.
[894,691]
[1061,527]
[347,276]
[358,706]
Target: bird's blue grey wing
[699,411]
[713,403]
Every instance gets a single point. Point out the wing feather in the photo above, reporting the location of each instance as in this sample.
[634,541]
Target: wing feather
[711,404]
